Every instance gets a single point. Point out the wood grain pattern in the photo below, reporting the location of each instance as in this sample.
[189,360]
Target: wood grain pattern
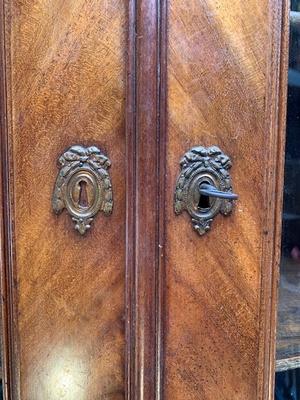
[145,201]
[200,312]
[223,68]
[65,82]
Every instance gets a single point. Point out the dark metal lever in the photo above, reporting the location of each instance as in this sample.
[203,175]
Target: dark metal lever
[209,190]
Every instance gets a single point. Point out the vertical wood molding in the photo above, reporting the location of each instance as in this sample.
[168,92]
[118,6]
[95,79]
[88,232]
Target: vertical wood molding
[162,151]
[145,197]
[10,367]
[274,177]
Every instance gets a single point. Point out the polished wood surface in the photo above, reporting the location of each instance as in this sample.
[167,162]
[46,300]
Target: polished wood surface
[199,311]
[146,113]
[223,79]
[145,136]
[65,85]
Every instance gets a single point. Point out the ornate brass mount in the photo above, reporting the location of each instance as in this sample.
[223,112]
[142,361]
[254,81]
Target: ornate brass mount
[83,185]
[203,187]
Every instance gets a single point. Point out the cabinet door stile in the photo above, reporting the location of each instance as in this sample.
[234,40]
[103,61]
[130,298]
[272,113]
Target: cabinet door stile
[145,175]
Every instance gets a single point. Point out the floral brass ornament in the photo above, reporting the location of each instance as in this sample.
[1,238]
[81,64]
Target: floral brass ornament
[204,170]
[83,185]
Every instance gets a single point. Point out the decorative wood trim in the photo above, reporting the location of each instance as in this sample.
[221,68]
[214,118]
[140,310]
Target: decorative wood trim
[146,97]
[130,202]
[161,173]
[274,177]
[10,364]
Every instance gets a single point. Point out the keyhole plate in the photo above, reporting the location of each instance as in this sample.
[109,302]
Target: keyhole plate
[203,165]
[83,185]
[82,193]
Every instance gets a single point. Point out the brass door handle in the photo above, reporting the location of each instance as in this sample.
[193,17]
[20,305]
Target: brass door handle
[206,189]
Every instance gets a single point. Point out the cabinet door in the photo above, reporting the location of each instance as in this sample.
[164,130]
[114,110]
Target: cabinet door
[212,73]
[223,90]
[64,69]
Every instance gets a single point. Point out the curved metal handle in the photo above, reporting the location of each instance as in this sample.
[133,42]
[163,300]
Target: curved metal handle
[209,190]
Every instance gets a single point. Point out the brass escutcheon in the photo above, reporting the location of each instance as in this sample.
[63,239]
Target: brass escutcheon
[83,185]
[203,187]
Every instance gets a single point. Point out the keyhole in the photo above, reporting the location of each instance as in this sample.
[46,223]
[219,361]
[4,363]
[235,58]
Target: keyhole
[203,202]
[83,200]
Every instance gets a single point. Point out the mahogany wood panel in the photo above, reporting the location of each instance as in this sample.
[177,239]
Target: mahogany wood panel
[65,73]
[223,89]
[145,200]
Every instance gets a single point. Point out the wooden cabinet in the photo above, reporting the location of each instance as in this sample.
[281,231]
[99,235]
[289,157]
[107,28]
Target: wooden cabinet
[141,305]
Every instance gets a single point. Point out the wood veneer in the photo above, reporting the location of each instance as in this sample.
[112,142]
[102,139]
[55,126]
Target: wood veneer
[223,76]
[65,84]
[200,312]
[145,197]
